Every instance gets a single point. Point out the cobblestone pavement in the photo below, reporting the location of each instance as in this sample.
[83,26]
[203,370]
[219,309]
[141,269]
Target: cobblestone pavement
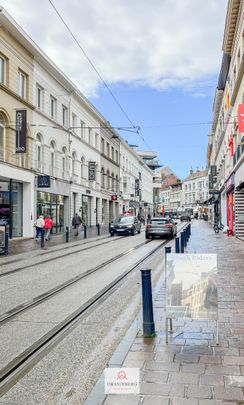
[191,369]
[26,244]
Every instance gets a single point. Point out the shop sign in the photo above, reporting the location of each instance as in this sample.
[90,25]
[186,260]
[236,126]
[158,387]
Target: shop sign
[137,187]
[92,171]
[134,204]
[20,131]
[230,183]
[114,197]
[43,181]
[241,117]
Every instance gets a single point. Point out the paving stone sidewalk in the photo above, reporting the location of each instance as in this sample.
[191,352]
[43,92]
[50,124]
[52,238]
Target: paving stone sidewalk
[191,369]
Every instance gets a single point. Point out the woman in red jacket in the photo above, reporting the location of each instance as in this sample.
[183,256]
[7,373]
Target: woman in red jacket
[48,225]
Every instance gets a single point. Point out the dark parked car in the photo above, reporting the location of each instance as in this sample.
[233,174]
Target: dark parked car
[163,227]
[127,225]
[185,217]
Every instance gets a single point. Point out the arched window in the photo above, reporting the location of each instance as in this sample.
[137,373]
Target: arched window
[113,181]
[117,184]
[52,157]
[73,163]
[108,180]
[102,178]
[64,162]
[2,136]
[39,151]
[82,164]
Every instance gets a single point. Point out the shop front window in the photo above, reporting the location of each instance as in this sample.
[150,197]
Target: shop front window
[53,205]
[11,207]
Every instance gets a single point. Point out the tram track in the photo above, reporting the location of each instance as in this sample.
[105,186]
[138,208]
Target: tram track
[18,367]
[16,270]
[7,316]
[25,361]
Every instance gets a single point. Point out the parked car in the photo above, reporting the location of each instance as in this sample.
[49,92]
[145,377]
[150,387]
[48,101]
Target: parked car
[161,226]
[127,225]
[185,217]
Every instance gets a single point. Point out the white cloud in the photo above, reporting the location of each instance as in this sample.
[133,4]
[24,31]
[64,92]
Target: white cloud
[157,43]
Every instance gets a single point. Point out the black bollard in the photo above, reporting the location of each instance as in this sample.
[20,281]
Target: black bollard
[67,234]
[177,245]
[185,237]
[182,242]
[148,321]
[98,229]
[189,230]
[85,231]
[42,238]
[167,249]
[6,244]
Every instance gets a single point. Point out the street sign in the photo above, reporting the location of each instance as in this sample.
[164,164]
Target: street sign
[137,187]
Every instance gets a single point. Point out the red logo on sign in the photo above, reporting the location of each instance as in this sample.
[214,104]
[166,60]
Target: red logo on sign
[122,375]
[114,197]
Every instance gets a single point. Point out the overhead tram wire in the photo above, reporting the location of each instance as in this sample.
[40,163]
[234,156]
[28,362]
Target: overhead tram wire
[135,127]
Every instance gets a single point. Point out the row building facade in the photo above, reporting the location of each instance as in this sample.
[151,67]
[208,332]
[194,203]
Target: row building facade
[58,155]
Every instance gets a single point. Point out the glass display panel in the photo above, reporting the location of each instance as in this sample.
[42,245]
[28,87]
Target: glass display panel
[191,286]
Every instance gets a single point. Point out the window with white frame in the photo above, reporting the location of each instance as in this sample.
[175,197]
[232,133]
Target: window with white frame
[82,163]
[125,184]
[22,84]
[117,184]
[2,136]
[90,136]
[39,151]
[2,70]
[64,116]
[73,163]
[82,128]
[112,152]
[113,182]
[108,180]
[102,177]
[117,156]
[96,141]
[52,157]
[39,97]
[53,107]
[108,150]
[64,162]
[74,122]
[102,145]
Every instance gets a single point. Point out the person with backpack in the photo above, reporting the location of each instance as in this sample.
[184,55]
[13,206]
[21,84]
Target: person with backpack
[76,222]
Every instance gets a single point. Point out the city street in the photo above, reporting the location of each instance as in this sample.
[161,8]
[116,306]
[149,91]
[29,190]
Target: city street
[40,293]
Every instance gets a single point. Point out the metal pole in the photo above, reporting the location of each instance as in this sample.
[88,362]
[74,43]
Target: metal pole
[189,229]
[148,321]
[67,234]
[42,238]
[6,244]
[85,231]
[98,229]
[182,242]
[177,245]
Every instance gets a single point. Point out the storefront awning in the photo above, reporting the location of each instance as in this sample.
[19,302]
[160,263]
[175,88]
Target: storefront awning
[212,200]
[240,186]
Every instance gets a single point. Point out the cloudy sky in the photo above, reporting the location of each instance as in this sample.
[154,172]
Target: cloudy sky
[161,59]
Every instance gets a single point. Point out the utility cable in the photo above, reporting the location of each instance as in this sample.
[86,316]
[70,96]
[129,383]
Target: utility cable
[136,127]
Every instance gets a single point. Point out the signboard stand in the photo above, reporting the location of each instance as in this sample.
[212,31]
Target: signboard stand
[191,289]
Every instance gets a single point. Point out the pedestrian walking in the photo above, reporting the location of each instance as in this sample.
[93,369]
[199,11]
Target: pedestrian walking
[76,222]
[39,226]
[48,225]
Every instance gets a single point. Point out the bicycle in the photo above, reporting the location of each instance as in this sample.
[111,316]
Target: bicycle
[218,227]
